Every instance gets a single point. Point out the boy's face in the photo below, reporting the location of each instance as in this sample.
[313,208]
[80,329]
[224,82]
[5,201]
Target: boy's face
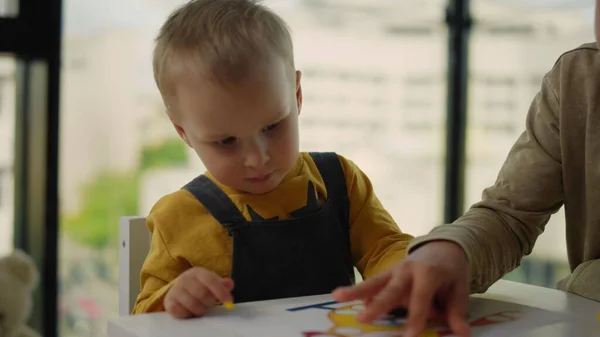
[246,134]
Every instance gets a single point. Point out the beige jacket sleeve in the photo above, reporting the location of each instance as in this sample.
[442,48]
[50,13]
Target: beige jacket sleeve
[498,231]
[584,281]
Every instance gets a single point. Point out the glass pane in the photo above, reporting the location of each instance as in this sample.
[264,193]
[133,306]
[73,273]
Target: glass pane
[510,53]
[7,145]
[374,90]
[374,86]
[9,8]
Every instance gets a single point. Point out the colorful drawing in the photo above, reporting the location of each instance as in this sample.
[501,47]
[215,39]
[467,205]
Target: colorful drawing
[345,323]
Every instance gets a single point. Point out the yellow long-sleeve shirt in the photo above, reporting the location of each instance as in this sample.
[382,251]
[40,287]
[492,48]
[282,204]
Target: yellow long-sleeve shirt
[185,235]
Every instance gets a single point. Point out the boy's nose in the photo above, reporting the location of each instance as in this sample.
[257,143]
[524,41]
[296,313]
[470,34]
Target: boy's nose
[257,159]
[257,155]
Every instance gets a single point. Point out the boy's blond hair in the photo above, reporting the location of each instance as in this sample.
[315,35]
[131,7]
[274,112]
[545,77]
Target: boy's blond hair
[222,40]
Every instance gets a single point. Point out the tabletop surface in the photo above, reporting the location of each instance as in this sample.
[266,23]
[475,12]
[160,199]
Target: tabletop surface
[582,318]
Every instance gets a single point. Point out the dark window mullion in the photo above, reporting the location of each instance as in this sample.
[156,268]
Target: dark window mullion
[33,38]
[458,19]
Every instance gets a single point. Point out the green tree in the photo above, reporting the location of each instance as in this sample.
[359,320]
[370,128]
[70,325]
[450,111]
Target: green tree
[104,201]
[113,195]
[170,153]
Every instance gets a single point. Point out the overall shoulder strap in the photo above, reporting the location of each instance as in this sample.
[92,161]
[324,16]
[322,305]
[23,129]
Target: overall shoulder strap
[332,172]
[215,200]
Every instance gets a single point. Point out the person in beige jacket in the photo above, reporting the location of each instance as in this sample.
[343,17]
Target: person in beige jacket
[554,163]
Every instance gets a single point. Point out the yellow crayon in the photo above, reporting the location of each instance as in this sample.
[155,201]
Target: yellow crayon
[228,305]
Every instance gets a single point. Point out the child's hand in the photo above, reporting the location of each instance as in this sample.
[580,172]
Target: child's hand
[196,290]
[435,272]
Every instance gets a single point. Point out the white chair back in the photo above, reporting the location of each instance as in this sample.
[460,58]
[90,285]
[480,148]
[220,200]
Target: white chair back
[134,242]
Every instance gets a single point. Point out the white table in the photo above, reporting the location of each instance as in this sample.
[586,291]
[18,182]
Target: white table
[584,323]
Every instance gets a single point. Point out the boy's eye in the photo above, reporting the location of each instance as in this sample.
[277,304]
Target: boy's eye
[271,127]
[226,141]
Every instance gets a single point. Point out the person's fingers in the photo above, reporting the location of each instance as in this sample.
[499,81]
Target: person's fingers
[436,312]
[228,283]
[191,300]
[458,311]
[209,300]
[390,297]
[420,304]
[366,289]
[176,310]
[215,285]
[195,287]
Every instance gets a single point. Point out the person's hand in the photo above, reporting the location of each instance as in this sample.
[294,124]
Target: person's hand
[432,281]
[196,290]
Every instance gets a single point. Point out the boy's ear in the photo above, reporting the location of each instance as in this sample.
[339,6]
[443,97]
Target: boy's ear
[299,90]
[180,130]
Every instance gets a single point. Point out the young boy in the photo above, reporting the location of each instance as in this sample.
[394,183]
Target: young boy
[264,221]
[555,162]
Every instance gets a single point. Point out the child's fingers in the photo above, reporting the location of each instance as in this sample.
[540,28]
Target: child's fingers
[180,303]
[228,283]
[366,289]
[192,301]
[209,300]
[203,295]
[176,310]
[214,284]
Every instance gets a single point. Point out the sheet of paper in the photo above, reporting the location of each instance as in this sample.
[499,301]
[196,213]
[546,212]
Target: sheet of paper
[488,318]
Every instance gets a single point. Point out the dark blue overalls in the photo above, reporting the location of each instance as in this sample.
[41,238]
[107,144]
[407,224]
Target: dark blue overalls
[308,254]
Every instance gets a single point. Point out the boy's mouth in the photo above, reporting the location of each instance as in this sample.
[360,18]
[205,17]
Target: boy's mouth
[261,178]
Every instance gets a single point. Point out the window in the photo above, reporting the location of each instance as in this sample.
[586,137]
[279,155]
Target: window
[2,189]
[5,191]
[354,74]
[7,138]
[422,97]
[119,154]
[4,83]
[495,97]
[9,8]
[416,30]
